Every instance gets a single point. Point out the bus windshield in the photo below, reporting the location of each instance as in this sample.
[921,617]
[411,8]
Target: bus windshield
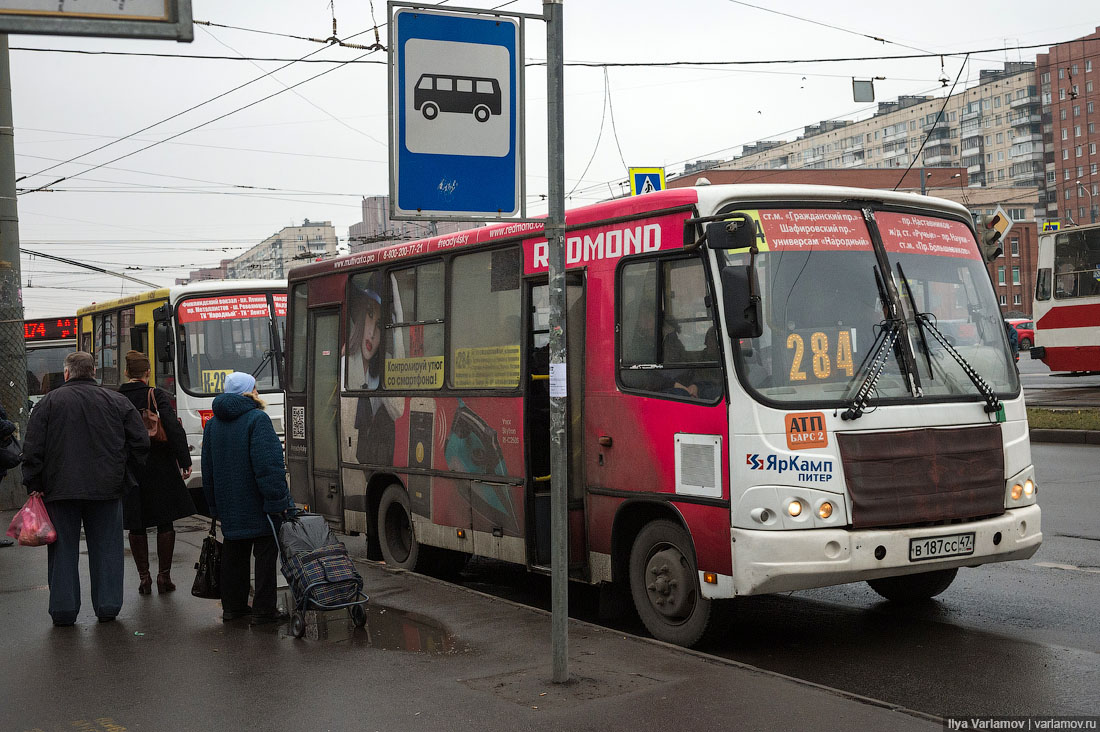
[45,368]
[822,308]
[220,334]
[1077,263]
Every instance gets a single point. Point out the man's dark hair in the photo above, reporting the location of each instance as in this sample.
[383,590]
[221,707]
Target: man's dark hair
[80,364]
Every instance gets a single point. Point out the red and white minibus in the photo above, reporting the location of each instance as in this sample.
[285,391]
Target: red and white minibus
[1066,309]
[770,388]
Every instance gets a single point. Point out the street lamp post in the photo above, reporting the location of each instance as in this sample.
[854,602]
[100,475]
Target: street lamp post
[1092,211]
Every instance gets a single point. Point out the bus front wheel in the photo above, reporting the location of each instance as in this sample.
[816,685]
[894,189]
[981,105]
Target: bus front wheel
[395,530]
[481,113]
[429,110]
[664,584]
[914,587]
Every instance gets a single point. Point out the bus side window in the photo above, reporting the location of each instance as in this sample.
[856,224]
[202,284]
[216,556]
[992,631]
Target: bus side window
[667,338]
[1042,284]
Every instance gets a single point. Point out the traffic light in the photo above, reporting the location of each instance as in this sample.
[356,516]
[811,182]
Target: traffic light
[990,229]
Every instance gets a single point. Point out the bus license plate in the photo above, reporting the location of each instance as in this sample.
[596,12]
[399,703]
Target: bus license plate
[934,547]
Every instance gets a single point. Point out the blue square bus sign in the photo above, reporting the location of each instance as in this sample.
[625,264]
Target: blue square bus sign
[455,89]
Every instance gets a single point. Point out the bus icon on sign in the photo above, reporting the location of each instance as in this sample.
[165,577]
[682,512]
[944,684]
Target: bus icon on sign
[435,93]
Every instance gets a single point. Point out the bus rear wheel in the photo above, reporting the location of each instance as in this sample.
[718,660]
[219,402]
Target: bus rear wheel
[482,113]
[914,587]
[429,110]
[395,530]
[664,584]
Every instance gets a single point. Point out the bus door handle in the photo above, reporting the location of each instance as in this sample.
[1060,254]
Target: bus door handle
[542,478]
[540,377]
[605,441]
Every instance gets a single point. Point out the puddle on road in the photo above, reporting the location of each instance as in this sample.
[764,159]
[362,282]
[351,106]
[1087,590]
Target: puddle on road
[387,629]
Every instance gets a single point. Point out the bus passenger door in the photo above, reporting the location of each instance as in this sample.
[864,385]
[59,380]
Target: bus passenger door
[537,421]
[323,407]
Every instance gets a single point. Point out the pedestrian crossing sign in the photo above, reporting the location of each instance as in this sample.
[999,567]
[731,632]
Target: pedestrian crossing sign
[1052,226]
[646,180]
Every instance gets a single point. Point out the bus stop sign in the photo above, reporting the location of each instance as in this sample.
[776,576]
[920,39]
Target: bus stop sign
[455,85]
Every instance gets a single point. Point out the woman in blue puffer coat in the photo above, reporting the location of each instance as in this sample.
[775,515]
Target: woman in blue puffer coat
[244,479]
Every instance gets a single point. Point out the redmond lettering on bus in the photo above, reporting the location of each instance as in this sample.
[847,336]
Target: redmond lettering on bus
[607,244]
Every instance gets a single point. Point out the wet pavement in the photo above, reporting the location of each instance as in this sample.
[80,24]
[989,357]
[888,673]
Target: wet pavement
[432,656]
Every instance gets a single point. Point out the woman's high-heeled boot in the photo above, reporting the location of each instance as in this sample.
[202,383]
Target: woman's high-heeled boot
[166,545]
[139,548]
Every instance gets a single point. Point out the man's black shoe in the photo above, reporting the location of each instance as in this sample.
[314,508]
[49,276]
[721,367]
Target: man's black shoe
[228,615]
[59,624]
[266,618]
[106,618]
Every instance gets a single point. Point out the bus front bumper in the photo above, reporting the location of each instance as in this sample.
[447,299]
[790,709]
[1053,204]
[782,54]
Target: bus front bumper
[782,561]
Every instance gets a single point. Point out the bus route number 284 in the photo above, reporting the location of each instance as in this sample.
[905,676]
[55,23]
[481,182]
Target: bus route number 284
[828,356]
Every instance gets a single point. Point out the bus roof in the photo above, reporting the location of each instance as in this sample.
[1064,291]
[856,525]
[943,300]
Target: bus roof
[175,292]
[707,199]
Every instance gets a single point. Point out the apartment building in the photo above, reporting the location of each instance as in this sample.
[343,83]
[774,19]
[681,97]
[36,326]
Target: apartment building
[378,230]
[1069,85]
[992,130]
[276,255]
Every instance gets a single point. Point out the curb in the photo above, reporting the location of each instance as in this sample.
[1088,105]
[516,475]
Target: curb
[1071,437]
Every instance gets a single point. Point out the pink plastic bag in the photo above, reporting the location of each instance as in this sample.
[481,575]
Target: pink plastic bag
[31,525]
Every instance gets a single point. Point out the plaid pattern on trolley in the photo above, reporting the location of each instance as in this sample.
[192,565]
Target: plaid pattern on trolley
[326,576]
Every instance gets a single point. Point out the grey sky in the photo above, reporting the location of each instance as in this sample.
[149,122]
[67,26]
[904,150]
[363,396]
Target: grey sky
[313,151]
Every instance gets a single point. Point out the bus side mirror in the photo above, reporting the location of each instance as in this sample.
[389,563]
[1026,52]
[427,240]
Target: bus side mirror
[162,313]
[740,302]
[162,341]
[738,232]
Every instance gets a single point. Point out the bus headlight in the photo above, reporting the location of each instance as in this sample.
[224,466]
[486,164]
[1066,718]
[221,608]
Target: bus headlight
[825,510]
[773,507]
[794,508]
[1021,490]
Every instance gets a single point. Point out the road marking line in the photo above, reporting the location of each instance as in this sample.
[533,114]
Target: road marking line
[1055,565]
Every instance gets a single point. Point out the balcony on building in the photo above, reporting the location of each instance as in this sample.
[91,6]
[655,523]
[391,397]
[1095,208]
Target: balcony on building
[971,115]
[969,150]
[1025,101]
[1032,118]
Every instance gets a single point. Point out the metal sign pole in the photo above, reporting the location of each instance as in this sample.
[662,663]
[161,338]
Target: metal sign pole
[559,436]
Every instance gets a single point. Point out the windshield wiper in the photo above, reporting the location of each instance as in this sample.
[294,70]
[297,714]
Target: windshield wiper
[925,321]
[269,357]
[992,402]
[877,357]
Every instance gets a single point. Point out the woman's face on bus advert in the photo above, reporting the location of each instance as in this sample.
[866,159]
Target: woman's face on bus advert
[372,334]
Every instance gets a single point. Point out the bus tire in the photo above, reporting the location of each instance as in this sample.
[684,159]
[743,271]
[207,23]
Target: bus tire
[914,587]
[664,585]
[396,534]
[482,113]
[429,110]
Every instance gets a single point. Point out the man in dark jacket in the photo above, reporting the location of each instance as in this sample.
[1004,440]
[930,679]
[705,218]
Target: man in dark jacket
[7,429]
[80,440]
[244,479]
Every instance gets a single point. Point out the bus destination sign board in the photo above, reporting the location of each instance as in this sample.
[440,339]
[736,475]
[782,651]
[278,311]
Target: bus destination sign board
[455,105]
[49,329]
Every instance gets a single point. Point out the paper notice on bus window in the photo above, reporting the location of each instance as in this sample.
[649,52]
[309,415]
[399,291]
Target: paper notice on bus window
[424,372]
[910,234]
[280,304]
[558,381]
[213,380]
[804,229]
[494,367]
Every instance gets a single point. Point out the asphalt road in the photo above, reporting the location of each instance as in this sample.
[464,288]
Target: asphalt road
[1045,389]
[1008,639]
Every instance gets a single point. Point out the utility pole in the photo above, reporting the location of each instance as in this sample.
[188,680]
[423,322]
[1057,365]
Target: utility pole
[559,394]
[13,354]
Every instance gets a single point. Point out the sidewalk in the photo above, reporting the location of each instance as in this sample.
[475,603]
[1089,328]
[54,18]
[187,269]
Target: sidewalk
[433,657]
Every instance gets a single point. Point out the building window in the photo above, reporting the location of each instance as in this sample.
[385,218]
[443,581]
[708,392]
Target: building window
[1001,275]
[1073,69]
[1045,77]
[1016,299]
[1077,130]
[1061,73]
[1079,151]
[1004,299]
[1015,275]
[1065,154]
[1015,243]
[1061,94]
[1069,193]
[1088,64]
[1065,134]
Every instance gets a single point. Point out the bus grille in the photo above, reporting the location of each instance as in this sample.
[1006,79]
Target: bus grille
[926,475]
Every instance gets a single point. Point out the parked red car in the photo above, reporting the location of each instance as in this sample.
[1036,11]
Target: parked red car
[1025,331]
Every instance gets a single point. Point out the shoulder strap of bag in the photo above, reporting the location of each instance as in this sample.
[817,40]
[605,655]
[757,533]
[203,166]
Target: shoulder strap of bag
[152,403]
[214,528]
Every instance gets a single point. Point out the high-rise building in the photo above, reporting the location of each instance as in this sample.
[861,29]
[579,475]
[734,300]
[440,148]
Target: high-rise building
[276,255]
[1069,85]
[378,230]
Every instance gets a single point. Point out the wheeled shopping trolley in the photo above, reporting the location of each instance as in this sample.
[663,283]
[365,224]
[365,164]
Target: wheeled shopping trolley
[318,569]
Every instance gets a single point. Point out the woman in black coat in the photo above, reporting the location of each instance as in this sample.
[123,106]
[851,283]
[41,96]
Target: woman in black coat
[161,496]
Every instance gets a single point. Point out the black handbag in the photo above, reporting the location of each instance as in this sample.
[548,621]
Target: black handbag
[11,454]
[208,583]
